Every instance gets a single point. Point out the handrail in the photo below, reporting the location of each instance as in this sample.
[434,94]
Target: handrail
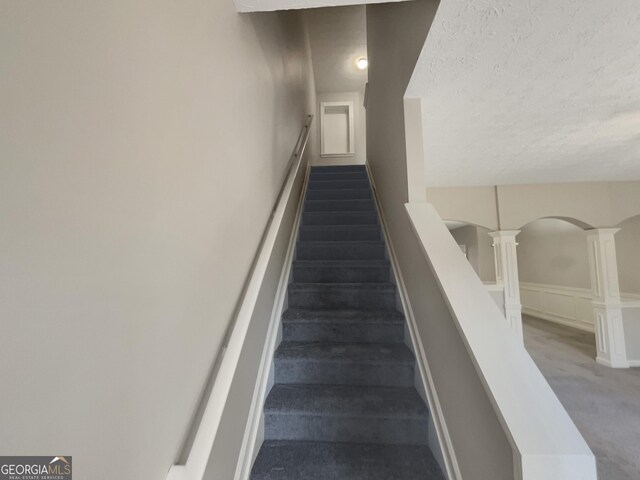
[200,451]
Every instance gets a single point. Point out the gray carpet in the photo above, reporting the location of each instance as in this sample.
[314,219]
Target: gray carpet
[343,406]
[603,402]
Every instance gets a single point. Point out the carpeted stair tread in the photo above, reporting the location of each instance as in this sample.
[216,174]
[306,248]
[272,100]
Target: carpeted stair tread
[345,400]
[339,218]
[339,194]
[368,287]
[341,271]
[339,232]
[341,250]
[340,296]
[345,353]
[343,326]
[349,205]
[295,460]
[343,263]
[337,184]
[297,315]
[337,176]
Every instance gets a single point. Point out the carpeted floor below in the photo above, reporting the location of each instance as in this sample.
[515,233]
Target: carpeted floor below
[603,402]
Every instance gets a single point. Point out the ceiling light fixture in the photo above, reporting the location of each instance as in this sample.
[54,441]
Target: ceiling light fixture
[362,63]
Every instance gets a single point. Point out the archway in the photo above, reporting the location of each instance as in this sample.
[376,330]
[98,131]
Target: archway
[555,285]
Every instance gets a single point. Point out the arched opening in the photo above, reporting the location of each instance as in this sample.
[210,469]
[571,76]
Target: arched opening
[555,288]
[571,220]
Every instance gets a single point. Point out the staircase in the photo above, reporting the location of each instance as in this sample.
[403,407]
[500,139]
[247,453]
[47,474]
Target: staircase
[343,405]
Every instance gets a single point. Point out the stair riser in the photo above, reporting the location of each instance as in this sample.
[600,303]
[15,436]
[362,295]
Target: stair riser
[398,431]
[311,274]
[343,194]
[337,185]
[339,373]
[342,299]
[340,252]
[336,332]
[337,176]
[363,218]
[334,233]
[338,205]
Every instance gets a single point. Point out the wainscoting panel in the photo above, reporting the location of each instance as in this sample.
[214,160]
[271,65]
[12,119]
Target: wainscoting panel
[565,305]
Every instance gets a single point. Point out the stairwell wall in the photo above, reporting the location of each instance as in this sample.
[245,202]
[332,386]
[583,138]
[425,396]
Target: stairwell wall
[395,36]
[143,147]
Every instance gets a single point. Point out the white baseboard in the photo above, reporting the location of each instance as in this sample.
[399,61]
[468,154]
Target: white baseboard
[252,441]
[608,363]
[554,319]
[447,455]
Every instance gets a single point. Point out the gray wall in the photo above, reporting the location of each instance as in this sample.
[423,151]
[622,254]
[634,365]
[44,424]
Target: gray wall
[143,146]
[554,252]
[479,250]
[395,36]
[628,251]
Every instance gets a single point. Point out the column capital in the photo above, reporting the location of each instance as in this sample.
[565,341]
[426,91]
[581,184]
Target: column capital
[504,234]
[602,231]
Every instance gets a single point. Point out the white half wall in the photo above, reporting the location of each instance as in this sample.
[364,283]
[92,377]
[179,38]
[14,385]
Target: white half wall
[573,307]
[143,147]
[565,305]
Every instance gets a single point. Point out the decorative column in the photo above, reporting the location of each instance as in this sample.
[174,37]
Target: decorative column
[506,262]
[607,311]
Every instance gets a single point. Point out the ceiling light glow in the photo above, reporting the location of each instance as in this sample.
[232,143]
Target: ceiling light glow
[362,63]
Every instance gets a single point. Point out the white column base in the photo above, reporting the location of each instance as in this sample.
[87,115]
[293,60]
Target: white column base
[610,340]
[513,314]
[607,314]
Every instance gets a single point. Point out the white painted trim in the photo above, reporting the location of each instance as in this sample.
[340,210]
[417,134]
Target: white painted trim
[200,451]
[634,363]
[573,295]
[613,363]
[350,134]
[452,469]
[494,287]
[630,300]
[569,297]
[251,443]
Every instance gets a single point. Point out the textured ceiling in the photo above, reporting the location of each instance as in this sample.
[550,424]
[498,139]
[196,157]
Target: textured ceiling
[528,91]
[338,37]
